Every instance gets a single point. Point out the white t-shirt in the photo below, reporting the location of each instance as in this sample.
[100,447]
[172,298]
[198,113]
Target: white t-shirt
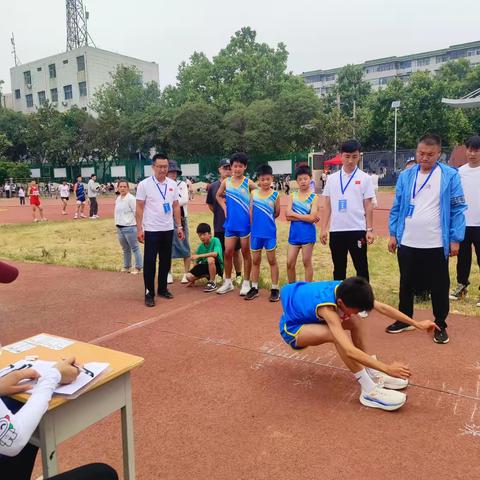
[183,196]
[471,188]
[349,217]
[64,191]
[125,210]
[155,219]
[374,178]
[423,229]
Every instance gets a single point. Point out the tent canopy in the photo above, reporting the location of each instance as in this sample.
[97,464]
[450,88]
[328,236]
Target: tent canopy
[334,161]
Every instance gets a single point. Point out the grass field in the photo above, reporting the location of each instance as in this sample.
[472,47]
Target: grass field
[93,244]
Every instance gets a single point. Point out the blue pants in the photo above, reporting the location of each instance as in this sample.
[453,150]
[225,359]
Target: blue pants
[127,236]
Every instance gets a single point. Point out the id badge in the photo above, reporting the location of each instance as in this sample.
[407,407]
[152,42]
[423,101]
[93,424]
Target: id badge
[166,208]
[411,209]
[342,205]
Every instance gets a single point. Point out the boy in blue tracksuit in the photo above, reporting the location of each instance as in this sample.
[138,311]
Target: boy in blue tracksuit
[427,224]
[320,312]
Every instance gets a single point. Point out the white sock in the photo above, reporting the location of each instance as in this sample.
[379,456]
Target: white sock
[246,283]
[227,281]
[255,285]
[274,286]
[365,381]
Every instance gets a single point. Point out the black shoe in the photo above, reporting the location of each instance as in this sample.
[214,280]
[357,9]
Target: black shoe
[441,336]
[274,295]
[166,294]
[252,293]
[398,327]
[149,301]
[210,287]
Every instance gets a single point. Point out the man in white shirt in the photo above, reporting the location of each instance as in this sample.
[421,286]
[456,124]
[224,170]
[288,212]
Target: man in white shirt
[92,191]
[157,207]
[470,177]
[346,203]
[427,224]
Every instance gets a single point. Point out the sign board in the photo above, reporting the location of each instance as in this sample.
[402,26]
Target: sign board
[190,169]
[281,167]
[60,172]
[118,171]
[147,171]
[87,171]
[35,173]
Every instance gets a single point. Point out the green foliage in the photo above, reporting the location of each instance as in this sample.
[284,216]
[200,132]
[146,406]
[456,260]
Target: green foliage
[13,170]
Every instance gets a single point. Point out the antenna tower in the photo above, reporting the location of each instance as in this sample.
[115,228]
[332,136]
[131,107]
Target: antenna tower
[14,50]
[77,33]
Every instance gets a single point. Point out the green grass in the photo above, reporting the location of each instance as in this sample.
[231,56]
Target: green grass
[93,244]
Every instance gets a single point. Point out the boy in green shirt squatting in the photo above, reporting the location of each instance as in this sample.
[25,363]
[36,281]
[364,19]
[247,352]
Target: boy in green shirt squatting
[208,259]
[321,312]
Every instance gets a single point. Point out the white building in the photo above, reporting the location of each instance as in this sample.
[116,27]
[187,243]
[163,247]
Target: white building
[383,70]
[70,78]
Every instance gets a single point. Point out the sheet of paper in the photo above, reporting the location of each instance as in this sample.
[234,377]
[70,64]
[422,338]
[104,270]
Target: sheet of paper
[19,347]
[83,379]
[53,343]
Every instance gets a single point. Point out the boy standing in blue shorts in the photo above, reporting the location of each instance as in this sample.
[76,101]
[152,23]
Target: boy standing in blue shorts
[319,312]
[302,212]
[264,209]
[236,206]
[80,195]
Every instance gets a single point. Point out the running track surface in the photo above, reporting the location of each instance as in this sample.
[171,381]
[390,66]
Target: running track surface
[12,212]
[220,396]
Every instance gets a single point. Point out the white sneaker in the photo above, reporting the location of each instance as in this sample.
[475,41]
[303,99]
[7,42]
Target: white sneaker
[169,278]
[225,288]
[75,216]
[125,270]
[184,279]
[136,271]
[382,398]
[386,381]
[82,215]
[478,303]
[245,288]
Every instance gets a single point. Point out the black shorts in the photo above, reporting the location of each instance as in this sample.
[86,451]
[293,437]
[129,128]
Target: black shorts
[201,270]
[65,198]
[221,237]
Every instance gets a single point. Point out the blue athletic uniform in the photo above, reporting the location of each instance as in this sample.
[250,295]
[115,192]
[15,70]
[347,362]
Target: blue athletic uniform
[80,192]
[237,223]
[302,233]
[264,230]
[300,302]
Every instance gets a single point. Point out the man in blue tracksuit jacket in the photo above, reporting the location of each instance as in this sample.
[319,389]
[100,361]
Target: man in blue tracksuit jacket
[427,225]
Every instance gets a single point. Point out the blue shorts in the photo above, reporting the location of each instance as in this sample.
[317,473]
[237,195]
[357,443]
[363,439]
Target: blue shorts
[237,233]
[289,330]
[258,243]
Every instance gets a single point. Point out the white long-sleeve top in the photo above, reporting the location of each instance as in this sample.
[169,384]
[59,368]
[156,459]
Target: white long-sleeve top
[183,196]
[125,210]
[16,429]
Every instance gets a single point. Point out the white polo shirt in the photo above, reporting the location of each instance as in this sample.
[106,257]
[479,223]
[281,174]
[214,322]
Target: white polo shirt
[349,217]
[152,192]
[471,188]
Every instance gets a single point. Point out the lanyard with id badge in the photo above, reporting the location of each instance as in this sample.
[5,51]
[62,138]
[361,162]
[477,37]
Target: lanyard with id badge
[166,206]
[411,206]
[342,203]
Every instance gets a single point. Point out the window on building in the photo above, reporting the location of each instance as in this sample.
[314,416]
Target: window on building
[385,80]
[386,66]
[17,94]
[39,69]
[27,76]
[29,99]
[374,81]
[82,87]
[330,77]
[405,64]
[313,78]
[81,63]
[52,70]
[65,62]
[68,92]
[54,94]
[441,58]
[42,99]
[421,62]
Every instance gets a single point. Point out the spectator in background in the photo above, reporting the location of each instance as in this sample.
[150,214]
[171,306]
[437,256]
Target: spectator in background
[92,191]
[374,177]
[79,189]
[21,195]
[287,185]
[34,195]
[7,190]
[64,190]
[180,248]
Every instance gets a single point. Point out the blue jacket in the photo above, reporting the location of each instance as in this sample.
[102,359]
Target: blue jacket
[452,205]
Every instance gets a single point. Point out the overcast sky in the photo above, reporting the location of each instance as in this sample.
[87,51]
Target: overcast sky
[318,33]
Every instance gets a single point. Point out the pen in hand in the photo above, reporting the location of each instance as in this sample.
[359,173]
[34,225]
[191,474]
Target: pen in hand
[84,370]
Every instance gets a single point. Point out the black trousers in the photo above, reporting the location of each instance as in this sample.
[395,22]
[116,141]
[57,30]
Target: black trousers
[464,262]
[157,244]
[353,242]
[432,265]
[93,206]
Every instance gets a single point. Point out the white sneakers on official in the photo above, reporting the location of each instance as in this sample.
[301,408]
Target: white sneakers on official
[245,288]
[386,381]
[382,398]
[225,288]
[169,278]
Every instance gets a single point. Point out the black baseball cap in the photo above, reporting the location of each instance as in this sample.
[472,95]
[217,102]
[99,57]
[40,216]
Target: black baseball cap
[224,162]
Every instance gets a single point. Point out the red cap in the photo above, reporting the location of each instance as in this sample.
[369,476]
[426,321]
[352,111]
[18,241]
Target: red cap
[7,273]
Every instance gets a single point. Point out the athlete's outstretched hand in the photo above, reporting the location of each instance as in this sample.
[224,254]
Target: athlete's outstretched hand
[427,326]
[9,384]
[399,370]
